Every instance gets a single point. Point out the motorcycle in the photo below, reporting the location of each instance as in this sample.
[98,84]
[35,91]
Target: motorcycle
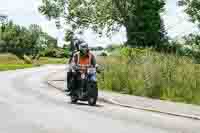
[84,88]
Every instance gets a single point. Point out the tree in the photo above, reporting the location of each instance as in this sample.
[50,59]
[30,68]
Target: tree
[98,48]
[3,21]
[48,41]
[17,40]
[35,40]
[25,42]
[192,39]
[3,18]
[141,18]
[192,8]
[69,36]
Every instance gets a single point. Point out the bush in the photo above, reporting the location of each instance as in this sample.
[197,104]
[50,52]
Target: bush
[171,48]
[103,54]
[27,59]
[55,52]
[132,52]
[112,47]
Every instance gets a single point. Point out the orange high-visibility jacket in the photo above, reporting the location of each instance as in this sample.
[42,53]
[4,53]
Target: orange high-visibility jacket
[89,59]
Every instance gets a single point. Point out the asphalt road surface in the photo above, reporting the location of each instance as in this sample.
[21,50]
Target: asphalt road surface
[29,105]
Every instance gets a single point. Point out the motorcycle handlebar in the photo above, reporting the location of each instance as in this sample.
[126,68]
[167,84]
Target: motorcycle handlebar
[81,67]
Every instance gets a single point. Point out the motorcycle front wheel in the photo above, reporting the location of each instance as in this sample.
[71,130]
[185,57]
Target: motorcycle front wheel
[92,93]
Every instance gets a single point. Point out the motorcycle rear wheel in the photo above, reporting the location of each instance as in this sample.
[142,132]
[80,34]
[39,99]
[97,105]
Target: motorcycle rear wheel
[74,99]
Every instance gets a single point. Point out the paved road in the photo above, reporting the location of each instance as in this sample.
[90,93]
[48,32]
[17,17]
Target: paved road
[29,105]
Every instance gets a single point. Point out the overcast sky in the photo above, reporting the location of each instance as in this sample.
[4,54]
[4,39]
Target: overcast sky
[24,12]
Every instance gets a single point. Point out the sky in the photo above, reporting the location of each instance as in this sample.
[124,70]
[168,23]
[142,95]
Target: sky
[25,12]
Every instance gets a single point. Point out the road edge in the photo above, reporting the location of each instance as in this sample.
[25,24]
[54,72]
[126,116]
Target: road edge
[113,102]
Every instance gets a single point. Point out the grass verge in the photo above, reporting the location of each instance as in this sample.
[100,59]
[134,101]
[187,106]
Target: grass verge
[47,60]
[154,75]
[5,67]
[11,62]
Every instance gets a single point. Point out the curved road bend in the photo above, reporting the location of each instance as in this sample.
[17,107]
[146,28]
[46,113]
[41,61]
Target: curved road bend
[29,105]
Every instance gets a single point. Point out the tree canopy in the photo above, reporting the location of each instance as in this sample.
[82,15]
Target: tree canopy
[192,8]
[23,41]
[141,18]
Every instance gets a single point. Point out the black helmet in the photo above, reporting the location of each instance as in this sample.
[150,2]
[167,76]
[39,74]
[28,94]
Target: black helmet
[83,47]
[78,42]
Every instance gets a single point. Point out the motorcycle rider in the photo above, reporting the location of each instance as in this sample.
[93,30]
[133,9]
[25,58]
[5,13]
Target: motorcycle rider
[84,57]
[75,43]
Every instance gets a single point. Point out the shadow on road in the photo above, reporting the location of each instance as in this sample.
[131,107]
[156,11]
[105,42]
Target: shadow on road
[85,104]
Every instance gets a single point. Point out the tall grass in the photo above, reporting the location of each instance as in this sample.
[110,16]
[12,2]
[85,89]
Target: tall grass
[154,75]
[10,59]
